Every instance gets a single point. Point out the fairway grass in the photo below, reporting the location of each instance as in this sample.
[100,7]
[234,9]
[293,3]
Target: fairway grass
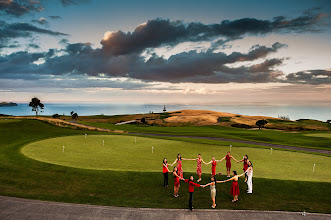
[121,153]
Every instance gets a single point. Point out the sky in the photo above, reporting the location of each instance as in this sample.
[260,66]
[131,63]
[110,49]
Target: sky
[187,52]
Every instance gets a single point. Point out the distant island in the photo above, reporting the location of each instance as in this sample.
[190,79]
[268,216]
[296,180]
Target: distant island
[7,104]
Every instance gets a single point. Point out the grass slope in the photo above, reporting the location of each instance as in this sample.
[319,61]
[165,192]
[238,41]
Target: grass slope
[24,177]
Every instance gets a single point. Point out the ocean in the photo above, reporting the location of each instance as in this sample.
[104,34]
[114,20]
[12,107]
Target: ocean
[294,112]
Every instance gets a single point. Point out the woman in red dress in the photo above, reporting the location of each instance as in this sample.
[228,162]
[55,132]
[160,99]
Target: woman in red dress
[176,182]
[199,161]
[245,165]
[228,163]
[179,165]
[213,163]
[165,172]
[234,187]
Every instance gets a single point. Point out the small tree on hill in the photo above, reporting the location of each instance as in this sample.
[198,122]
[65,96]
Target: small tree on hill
[143,120]
[74,115]
[261,123]
[36,105]
[56,116]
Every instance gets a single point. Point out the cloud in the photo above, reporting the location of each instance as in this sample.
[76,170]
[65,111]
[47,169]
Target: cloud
[73,2]
[120,54]
[158,32]
[41,21]
[34,46]
[55,17]
[8,32]
[208,67]
[19,8]
[310,77]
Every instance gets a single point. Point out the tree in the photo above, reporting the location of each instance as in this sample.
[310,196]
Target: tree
[56,116]
[36,105]
[74,115]
[143,120]
[261,123]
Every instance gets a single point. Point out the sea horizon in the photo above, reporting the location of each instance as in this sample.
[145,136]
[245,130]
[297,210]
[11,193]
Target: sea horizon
[294,112]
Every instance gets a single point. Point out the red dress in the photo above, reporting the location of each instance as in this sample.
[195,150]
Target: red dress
[199,167]
[228,162]
[213,168]
[179,168]
[234,188]
[176,180]
[245,165]
[165,168]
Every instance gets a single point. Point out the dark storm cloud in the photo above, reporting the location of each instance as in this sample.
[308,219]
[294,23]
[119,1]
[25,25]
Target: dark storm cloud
[158,32]
[208,67]
[310,77]
[19,8]
[190,66]
[120,54]
[55,17]
[12,31]
[18,29]
[73,2]
[41,21]
[34,46]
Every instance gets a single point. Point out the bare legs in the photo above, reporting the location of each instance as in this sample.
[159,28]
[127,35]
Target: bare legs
[176,188]
[214,203]
[199,178]
[228,171]
[235,198]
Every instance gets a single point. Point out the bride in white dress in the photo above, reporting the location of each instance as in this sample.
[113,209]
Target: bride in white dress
[249,172]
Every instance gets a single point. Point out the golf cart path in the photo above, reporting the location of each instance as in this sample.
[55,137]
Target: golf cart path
[218,139]
[16,208]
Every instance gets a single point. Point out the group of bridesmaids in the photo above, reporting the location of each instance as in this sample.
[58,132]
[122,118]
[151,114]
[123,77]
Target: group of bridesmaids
[178,175]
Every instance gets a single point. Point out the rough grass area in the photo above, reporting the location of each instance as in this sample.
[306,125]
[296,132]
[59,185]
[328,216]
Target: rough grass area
[322,135]
[267,136]
[24,177]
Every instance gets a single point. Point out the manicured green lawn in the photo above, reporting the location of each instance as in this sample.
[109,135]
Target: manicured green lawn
[122,153]
[24,177]
[267,136]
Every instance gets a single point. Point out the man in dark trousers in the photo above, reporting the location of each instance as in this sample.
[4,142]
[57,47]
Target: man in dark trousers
[191,186]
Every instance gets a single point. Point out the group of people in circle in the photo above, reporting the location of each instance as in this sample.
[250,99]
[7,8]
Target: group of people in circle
[178,175]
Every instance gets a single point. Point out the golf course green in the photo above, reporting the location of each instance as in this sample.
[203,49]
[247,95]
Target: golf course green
[124,173]
[128,153]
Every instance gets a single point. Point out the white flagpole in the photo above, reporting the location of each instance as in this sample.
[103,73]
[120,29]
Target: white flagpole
[103,143]
[63,149]
[314,168]
[271,151]
[152,150]
[230,147]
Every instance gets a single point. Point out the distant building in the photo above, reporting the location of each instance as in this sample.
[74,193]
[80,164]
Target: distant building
[164,109]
